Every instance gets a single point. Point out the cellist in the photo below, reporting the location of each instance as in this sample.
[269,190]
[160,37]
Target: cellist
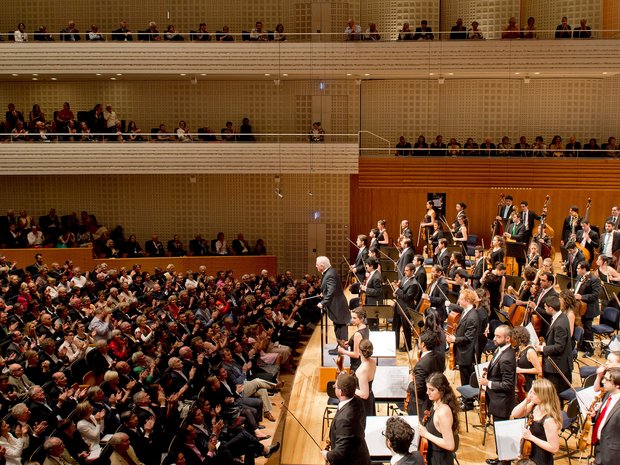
[465,337]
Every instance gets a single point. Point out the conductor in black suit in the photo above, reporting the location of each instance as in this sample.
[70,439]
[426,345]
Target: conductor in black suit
[334,300]
[501,376]
[346,434]
[428,364]
[606,421]
[407,294]
[465,338]
[398,437]
[557,346]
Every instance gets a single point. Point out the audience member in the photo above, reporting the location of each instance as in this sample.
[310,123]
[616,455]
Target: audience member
[405,33]
[529,31]
[201,34]
[512,30]
[353,31]
[94,34]
[279,35]
[563,31]
[258,33]
[70,33]
[372,33]
[583,31]
[423,32]
[172,34]
[20,35]
[458,31]
[123,33]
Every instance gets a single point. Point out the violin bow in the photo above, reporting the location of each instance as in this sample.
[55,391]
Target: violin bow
[570,385]
[302,425]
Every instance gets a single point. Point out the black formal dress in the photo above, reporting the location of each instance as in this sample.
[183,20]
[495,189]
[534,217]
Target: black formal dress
[356,362]
[538,455]
[436,455]
[523,362]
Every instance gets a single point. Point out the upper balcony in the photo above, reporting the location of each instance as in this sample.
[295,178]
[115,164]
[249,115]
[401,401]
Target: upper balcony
[314,59]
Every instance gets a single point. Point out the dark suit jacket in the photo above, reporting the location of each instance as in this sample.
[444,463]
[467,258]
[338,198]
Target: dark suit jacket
[592,245]
[360,261]
[65,35]
[505,212]
[502,372]
[615,242]
[408,294]
[558,347]
[374,289]
[541,306]
[516,231]
[334,300]
[476,276]
[427,365]
[606,451]
[154,249]
[420,276]
[119,34]
[438,298]
[347,436]
[443,259]
[571,267]
[567,230]
[420,34]
[590,289]
[466,340]
[404,259]
[198,248]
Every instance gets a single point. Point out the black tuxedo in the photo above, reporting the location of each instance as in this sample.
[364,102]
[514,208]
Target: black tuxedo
[615,241]
[374,289]
[540,305]
[590,246]
[443,259]
[154,249]
[465,344]
[502,374]
[567,229]
[438,295]
[606,451]
[405,258]
[477,273]
[589,287]
[516,231]
[407,233]
[529,226]
[407,296]
[238,245]
[558,348]
[360,262]
[347,436]
[335,302]
[505,212]
[428,364]
[572,261]
[420,276]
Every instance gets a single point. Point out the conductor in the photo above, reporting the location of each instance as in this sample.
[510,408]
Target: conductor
[334,300]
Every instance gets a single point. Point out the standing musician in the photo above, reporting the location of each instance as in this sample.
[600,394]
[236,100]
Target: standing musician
[612,361]
[405,231]
[515,230]
[557,346]
[405,257]
[498,253]
[459,283]
[533,257]
[542,405]
[398,438]
[574,258]
[383,237]
[437,235]
[460,213]
[346,433]
[334,300]
[500,378]
[465,338]
[587,290]
[429,219]
[420,272]
[365,375]
[460,234]
[442,427]
[527,219]
[495,283]
[358,319]
[359,267]
[546,281]
[606,429]
[438,292]
[542,238]
[572,224]
[429,363]
[407,294]
[373,286]
[610,240]
[442,256]
[614,219]
[483,310]
[528,363]
[505,211]
[525,291]
[568,305]
[587,238]
[478,268]
[374,242]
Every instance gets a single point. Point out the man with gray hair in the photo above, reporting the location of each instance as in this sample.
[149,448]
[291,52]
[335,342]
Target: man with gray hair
[334,300]
[123,452]
[56,454]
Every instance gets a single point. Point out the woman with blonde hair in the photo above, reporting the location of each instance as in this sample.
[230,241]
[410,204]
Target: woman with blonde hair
[543,404]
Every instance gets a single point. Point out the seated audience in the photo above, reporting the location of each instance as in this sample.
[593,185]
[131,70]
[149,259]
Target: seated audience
[423,32]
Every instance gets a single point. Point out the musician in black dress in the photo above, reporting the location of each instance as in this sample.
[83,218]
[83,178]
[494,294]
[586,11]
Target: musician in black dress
[543,404]
[533,256]
[441,429]
[497,251]
[495,283]
[358,319]
[528,363]
[365,375]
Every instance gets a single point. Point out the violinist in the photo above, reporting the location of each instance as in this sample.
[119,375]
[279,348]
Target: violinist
[543,404]
[438,292]
[497,251]
[428,364]
[460,213]
[429,218]
[372,236]
[373,252]
[442,427]
[434,326]
[398,437]
[478,267]
[419,272]
[542,238]
[437,234]
[465,338]
[359,268]
[604,270]
[606,427]
[407,293]
[612,361]
[365,375]
[547,267]
[483,311]
[533,256]
[587,290]
[457,262]
[405,256]
[528,363]
[442,256]
[459,282]
[495,283]
[358,319]
[373,285]
[610,240]
[383,237]
[460,234]
[405,231]
[526,288]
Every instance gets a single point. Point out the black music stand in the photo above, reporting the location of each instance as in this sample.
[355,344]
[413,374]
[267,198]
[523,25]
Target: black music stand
[564,281]
[514,281]
[517,250]
[375,312]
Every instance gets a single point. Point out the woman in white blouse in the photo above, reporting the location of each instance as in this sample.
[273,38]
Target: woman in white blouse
[90,426]
[14,445]
[21,35]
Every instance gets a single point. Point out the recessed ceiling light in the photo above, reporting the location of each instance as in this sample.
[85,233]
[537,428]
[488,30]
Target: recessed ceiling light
[118,74]
[286,74]
[203,74]
[35,79]
[537,73]
[34,74]
[112,79]
[431,74]
[348,74]
[267,74]
[14,74]
[98,74]
[517,74]
[450,74]
[182,74]
[366,74]
[54,79]
[604,72]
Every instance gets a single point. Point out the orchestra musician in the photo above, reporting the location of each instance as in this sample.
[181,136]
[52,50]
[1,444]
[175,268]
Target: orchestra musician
[460,234]
[483,310]
[406,255]
[420,272]
[405,231]
[358,319]
[374,242]
[383,237]
[398,437]
[373,286]
[459,282]
[568,305]
[573,259]
[610,240]
[433,325]
[460,213]
[515,230]
[587,289]
[546,291]
[346,433]
[587,238]
[498,253]
[543,404]
[438,292]
[465,338]
[429,363]
[524,293]
[547,267]
[572,224]
[505,211]
[365,375]
[478,267]
[375,254]
[604,271]
[606,429]
[429,218]
[527,220]
[442,256]
[407,294]
[359,267]
[614,219]
[494,282]
[438,234]
[612,361]
[533,257]
[528,363]
[557,346]
[442,427]
[542,238]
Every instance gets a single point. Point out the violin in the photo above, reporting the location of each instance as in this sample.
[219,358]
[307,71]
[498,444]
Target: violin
[483,400]
[520,388]
[451,324]
[328,447]
[585,437]
[423,447]
[526,445]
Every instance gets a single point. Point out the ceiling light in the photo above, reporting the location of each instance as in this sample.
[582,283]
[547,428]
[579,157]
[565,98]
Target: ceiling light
[431,74]
[182,74]
[203,74]
[54,79]
[604,72]
[112,79]
[267,74]
[118,74]
[14,74]
[516,74]
[35,79]
[450,74]
[98,74]
[348,74]
[366,74]
[537,73]
[286,74]
[34,74]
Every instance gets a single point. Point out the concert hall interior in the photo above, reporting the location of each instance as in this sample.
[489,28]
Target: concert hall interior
[329,151]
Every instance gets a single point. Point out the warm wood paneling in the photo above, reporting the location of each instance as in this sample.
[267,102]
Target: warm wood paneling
[395,189]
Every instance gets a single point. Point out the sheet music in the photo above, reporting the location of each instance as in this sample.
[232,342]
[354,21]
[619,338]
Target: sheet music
[480,368]
[586,398]
[508,438]
[391,382]
[533,335]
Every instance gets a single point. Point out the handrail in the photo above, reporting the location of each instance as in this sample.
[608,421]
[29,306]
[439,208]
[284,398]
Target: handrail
[374,135]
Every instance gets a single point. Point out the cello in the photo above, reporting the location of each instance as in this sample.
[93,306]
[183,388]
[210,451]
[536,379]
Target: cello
[584,251]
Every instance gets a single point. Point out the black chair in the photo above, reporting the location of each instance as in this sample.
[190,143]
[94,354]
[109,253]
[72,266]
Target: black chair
[469,395]
[570,425]
[331,408]
[607,327]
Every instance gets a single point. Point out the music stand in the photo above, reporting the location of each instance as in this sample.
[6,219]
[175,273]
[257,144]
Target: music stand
[375,312]
[514,281]
[564,281]
[611,290]
[517,250]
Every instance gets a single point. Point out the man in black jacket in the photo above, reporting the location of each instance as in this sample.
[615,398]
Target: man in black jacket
[407,294]
[587,291]
[465,338]
[428,364]
[334,300]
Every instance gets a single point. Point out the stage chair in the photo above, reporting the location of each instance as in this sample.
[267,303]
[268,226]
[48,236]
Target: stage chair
[330,409]
[469,394]
[570,426]
[607,327]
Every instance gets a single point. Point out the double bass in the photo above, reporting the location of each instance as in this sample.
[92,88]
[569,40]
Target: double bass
[451,323]
[546,251]
[497,228]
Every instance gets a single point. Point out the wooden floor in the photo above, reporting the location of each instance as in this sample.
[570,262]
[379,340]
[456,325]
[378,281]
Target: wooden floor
[308,404]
